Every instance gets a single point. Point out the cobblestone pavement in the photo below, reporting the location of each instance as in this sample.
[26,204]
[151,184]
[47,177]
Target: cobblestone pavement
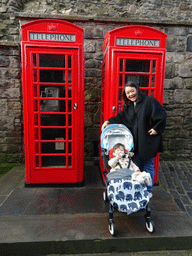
[176,178]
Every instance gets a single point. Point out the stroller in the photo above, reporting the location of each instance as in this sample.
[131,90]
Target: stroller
[123,193]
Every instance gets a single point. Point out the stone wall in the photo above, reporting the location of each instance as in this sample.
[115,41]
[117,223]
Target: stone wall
[178,93]
[11,135]
[96,18]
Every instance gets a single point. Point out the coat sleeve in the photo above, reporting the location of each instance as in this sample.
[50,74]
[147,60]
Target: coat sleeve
[118,119]
[158,116]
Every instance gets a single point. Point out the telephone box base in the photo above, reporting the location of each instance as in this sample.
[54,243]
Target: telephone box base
[54,185]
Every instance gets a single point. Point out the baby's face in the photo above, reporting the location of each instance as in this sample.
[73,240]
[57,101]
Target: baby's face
[119,151]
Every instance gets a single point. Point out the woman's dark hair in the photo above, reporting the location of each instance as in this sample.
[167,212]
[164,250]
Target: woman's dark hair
[139,92]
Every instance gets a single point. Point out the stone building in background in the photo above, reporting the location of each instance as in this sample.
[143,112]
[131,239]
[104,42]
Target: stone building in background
[173,17]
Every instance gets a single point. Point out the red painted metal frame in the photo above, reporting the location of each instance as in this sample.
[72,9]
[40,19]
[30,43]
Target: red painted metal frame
[36,173]
[114,53]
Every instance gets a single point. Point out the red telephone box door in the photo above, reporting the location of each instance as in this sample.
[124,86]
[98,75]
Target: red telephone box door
[143,69]
[52,115]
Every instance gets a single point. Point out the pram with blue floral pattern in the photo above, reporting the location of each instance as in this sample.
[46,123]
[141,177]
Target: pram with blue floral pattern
[123,193]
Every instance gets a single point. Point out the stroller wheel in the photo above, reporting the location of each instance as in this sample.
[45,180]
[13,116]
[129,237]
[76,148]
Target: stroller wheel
[112,229]
[105,196]
[150,226]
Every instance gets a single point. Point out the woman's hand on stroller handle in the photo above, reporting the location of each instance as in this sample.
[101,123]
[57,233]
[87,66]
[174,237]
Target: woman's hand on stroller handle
[104,125]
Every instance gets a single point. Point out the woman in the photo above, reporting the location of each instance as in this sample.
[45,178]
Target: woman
[146,118]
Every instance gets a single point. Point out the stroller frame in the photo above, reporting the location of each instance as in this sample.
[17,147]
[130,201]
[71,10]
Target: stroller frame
[150,226]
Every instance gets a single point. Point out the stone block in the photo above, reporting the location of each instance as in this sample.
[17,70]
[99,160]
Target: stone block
[169,57]
[169,71]
[92,94]
[89,55]
[89,149]
[3,107]
[171,133]
[179,58]
[171,43]
[89,46]
[181,112]
[183,96]
[12,93]
[94,32]
[188,120]
[168,98]
[175,83]
[4,61]
[93,72]
[177,143]
[99,56]
[181,44]
[187,83]
[96,118]
[14,106]
[184,7]
[92,63]
[174,121]
[92,134]
[189,43]
[14,148]
[185,70]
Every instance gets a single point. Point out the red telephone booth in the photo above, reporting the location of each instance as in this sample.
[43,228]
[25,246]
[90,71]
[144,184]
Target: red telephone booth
[132,53]
[53,101]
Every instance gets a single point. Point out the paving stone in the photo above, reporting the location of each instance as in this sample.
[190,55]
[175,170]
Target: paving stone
[174,193]
[180,190]
[187,174]
[170,185]
[168,177]
[190,180]
[189,210]
[171,169]
[180,204]
[187,186]
[185,200]
[177,182]
[173,174]
[182,176]
[190,195]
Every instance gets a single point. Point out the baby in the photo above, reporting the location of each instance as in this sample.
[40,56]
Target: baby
[122,159]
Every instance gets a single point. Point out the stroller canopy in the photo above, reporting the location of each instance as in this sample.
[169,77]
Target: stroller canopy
[116,133]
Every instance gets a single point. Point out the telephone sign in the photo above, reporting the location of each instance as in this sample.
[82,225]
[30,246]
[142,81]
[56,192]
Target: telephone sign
[137,42]
[52,37]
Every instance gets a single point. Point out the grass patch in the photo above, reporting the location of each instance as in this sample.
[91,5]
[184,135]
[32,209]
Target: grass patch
[6,167]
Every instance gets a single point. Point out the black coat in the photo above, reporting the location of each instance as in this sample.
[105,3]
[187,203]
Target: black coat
[147,114]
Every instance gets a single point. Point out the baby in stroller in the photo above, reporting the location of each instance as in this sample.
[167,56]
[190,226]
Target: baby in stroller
[122,159]
[126,187]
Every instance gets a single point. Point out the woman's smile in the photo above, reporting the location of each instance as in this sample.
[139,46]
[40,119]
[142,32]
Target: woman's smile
[131,93]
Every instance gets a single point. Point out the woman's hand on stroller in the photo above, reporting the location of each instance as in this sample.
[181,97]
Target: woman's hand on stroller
[104,125]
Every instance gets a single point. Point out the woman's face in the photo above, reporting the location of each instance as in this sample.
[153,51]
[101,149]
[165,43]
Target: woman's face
[131,93]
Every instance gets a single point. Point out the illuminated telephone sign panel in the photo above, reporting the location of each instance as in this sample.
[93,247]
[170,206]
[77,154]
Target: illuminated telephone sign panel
[53,99]
[132,53]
